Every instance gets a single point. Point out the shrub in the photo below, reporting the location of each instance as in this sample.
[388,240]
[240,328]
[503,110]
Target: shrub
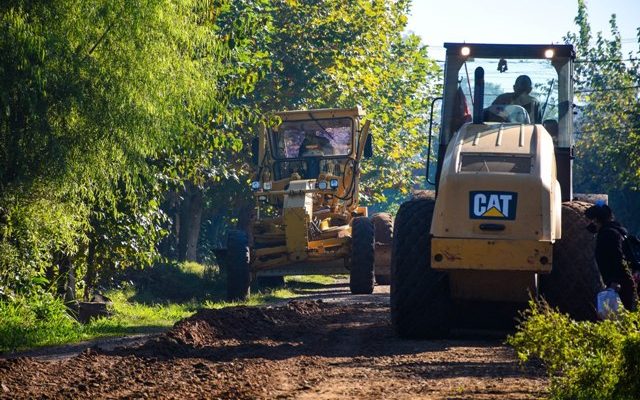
[177,282]
[35,319]
[584,360]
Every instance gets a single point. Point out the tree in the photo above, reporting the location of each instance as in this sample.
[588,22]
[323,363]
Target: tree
[608,114]
[99,100]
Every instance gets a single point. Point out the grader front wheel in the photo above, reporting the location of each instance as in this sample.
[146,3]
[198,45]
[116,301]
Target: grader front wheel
[362,256]
[237,261]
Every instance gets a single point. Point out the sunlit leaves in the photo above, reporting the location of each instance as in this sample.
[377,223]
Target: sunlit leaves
[608,110]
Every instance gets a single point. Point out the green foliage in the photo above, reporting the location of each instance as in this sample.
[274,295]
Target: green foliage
[584,360]
[36,226]
[607,89]
[103,106]
[629,384]
[34,320]
[177,283]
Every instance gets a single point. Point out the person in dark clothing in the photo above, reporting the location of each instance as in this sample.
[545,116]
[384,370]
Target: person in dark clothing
[521,97]
[609,253]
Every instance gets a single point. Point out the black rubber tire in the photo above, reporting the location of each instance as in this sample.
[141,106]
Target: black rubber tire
[420,299]
[361,279]
[237,262]
[383,227]
[574,282]
[269,282]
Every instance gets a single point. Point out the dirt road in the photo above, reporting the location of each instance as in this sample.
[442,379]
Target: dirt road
[308,349]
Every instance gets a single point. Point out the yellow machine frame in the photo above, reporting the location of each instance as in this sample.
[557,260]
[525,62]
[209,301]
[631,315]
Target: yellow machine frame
[308,231]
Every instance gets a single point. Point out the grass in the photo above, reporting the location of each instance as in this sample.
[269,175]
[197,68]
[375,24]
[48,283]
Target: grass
[256,299]
[320,280]
[161,297]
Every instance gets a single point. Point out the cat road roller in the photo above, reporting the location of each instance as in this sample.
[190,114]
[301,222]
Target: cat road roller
[501,226]
[307,216]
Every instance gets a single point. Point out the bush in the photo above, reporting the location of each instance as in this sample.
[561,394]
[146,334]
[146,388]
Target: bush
[36,319]
[629,384]
[584,360]
[177,282]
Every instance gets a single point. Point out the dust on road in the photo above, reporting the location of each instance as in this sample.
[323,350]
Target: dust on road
[308,349]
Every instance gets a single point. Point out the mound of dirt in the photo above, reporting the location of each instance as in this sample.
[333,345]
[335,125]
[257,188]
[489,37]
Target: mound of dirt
[208,329]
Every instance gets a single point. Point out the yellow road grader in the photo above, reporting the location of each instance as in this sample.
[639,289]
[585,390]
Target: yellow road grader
[307,215]
[502,226]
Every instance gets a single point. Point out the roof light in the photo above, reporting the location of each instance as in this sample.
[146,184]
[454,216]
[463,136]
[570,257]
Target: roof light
[465,51]
[548,53]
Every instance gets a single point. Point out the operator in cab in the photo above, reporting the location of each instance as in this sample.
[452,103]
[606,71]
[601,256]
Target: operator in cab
[521,97]
[313,145]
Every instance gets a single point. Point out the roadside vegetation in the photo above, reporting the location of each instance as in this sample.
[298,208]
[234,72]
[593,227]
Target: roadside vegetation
[584,360]
[167,294]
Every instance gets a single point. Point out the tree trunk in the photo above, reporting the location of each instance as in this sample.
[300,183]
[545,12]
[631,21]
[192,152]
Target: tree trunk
[90,276]
[190,219]
[169,244]
[66,278]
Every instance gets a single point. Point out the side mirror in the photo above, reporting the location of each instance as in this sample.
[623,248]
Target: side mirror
[368,147]
[255,150]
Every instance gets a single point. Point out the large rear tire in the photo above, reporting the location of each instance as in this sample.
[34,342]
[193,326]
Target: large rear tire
[383,226]
[362,256]
[420,299]
[574,282]
[237,261]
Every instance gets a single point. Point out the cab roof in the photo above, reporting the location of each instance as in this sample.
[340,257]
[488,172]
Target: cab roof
[528,51]
[321,113]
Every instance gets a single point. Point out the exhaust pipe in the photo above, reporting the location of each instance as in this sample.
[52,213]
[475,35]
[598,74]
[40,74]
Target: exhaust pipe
[478,95]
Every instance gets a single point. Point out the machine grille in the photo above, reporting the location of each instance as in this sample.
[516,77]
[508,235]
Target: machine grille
[517,164]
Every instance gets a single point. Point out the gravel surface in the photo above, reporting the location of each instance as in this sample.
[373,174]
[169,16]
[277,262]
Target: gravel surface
[305,349]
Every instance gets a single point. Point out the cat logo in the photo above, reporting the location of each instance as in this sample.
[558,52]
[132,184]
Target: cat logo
[492,205]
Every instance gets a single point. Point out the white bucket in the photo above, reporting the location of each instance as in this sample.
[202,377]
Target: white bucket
[608,303]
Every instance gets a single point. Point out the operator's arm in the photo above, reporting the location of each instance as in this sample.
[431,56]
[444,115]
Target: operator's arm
[503,99]
[537,117]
